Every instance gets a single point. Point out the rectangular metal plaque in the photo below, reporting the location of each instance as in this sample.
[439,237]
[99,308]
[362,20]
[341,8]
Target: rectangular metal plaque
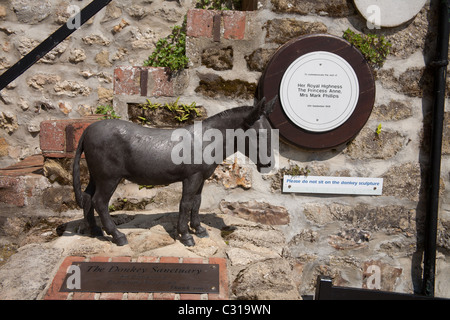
[141,277]
[333,185]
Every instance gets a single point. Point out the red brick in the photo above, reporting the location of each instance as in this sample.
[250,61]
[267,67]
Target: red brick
[78,129]
[111,296]
[83,296]
[158,82]
[163,296]
[127,80]
[18,182]
[138,296]
[200,23]
[234,25]
[53,292]
[12,191]
[54,140]
[169,260]
[147,259]
[52,136]
[121,259]
[192,260]
[98,259]
[190,296]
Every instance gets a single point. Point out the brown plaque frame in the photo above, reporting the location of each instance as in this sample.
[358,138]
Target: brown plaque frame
[270,81]
[145,277]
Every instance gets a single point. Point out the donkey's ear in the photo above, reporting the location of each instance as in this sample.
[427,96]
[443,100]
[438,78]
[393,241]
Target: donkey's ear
[268,107]
[256,112]
[260,104]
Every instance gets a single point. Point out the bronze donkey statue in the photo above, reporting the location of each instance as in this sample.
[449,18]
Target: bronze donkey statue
[117,149]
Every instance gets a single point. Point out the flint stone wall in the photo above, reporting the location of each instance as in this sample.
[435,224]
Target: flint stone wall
[339,236]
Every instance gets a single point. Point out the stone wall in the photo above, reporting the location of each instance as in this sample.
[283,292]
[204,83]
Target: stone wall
[345,237]
[76,76]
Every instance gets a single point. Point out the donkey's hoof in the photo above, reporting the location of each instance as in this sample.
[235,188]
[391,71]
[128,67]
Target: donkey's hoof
[188,241]
[202,233]
[120,240]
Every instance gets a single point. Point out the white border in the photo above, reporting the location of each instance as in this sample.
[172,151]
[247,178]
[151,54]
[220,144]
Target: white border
[294,111]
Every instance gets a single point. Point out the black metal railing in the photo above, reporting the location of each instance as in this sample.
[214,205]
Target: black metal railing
[326,291]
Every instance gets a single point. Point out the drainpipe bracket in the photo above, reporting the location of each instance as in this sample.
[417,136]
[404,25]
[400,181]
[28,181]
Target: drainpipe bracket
[439,63]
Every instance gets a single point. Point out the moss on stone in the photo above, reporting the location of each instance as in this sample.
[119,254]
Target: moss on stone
[218,86]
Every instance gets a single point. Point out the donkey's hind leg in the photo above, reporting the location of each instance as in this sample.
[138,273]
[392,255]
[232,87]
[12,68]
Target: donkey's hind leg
[88,211]
[103,192]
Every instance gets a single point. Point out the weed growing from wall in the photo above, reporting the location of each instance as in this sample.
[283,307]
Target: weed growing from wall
[180,112]
[374,48]
[107,111]
[219,4]
[170,52]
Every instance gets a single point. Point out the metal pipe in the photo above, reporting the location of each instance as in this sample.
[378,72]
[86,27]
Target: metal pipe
[440,63]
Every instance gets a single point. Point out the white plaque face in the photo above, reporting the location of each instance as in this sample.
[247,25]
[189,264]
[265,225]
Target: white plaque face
[388,13]
[319,91]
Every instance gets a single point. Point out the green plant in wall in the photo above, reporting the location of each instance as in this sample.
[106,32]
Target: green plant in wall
[170,52]
[295,170]
[107,111]
[374,48]
[377,132]
[219,4]
[181,112]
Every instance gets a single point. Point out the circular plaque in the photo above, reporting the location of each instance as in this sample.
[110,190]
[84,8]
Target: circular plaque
[388,13]
[319,91]
[326,91]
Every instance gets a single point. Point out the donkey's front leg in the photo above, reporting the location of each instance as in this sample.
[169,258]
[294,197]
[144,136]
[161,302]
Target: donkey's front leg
[183,219]
[192,186]
[195,218]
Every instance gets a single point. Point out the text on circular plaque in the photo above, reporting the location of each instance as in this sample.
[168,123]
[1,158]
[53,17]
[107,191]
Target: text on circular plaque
[319,91]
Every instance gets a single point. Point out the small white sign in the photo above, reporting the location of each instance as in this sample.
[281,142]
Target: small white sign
[319,91]
[333,185]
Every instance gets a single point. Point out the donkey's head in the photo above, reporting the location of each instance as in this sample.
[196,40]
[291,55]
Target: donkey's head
[266,142]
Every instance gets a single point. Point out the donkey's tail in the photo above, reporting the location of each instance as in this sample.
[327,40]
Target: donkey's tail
[76,172]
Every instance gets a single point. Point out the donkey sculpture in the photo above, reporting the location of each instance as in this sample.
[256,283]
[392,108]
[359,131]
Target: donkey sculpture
[116,149]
